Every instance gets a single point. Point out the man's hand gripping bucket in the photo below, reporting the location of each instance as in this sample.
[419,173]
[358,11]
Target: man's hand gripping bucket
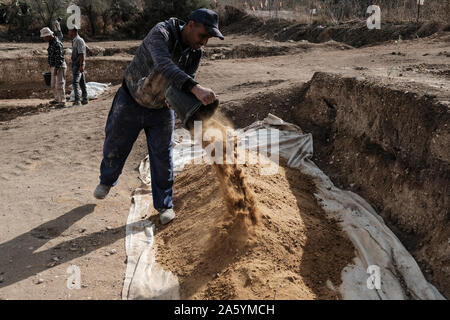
[188,107]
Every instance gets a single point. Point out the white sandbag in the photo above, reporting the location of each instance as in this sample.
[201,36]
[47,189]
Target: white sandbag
[94,90]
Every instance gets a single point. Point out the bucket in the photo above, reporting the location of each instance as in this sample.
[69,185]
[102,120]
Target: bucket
[188,107]
[47,78]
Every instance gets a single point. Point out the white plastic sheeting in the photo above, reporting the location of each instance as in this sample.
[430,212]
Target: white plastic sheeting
[376,245]
[94,90]
[144,278]
[380,256]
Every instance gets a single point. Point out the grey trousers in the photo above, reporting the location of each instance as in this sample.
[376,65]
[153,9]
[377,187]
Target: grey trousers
[79,82]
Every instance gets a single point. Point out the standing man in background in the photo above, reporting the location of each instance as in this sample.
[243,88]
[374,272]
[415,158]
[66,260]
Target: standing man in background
[78,66]
[58,31]
[58,66]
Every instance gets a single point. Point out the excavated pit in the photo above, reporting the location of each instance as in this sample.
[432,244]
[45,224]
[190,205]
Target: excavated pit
[31,82]
[389,145]
[20,95]
[267,49]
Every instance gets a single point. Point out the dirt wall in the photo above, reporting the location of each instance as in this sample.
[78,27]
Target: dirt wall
[392,147]
[22,77]
[354,33]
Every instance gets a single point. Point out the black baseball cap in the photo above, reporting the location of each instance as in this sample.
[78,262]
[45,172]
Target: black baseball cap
[209,19]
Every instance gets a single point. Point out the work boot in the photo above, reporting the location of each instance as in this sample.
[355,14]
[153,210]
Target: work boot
[53,102]
[84,102]
[76,103]
[101,191]
[60,106]
[166,215]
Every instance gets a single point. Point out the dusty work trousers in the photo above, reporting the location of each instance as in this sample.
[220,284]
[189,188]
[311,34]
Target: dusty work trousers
[79,81]
[125,121]
[58,84]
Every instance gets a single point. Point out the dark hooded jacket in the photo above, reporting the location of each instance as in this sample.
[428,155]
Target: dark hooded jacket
[161,60]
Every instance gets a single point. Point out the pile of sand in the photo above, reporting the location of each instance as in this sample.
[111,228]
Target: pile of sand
[220,251]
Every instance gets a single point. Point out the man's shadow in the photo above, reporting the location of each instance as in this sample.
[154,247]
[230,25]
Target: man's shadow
[19,258]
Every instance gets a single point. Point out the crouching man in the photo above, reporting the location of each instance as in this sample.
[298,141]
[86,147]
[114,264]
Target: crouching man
[169,55]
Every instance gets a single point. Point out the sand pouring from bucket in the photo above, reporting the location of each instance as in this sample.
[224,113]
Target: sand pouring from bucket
[188,107]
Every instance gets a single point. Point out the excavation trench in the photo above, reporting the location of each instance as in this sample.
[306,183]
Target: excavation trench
[290,234]
[30,84]
[354,33]
[21,93]
[28,94]
[387,145]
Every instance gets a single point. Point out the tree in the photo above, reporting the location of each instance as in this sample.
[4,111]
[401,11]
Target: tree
[121,12]
[103,13]
[158,10]
[47,10]
[18,16]
[88,8]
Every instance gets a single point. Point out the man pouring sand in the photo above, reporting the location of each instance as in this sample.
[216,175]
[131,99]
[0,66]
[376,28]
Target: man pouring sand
[169,55]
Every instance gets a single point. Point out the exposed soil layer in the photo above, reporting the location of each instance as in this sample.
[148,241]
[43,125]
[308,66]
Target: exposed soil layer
[30,83]
[388,145]
[291,254]
[442,70]
[25,90]
[11,112]
[353,33]
[266,49]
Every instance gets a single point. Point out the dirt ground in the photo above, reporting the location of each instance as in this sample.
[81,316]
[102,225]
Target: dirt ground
[50,166]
